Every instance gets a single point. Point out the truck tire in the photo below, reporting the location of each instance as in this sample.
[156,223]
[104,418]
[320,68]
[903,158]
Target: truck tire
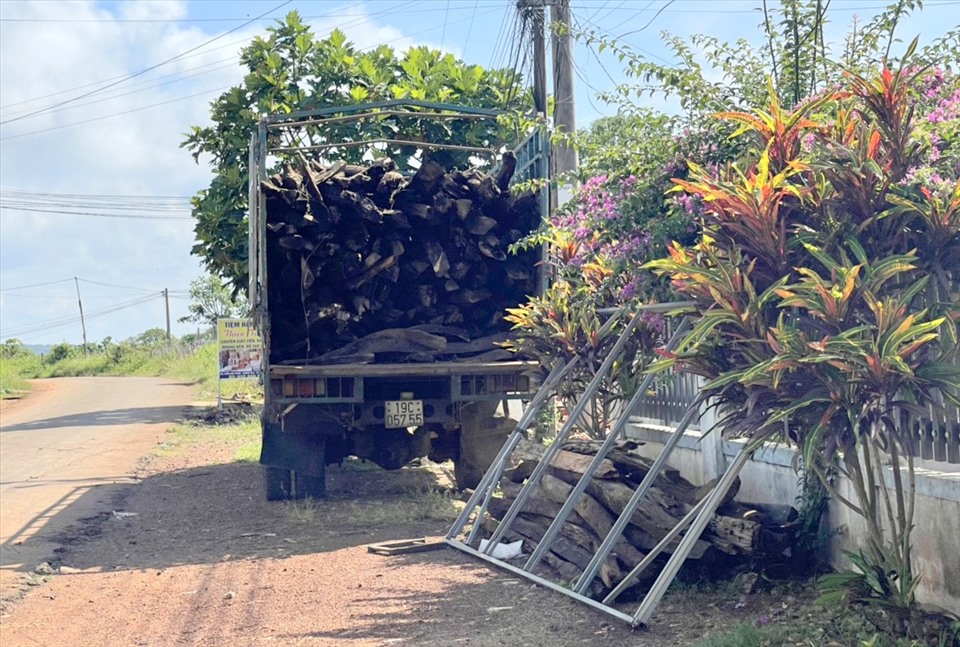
[278,483]
[482,434]
[309,486]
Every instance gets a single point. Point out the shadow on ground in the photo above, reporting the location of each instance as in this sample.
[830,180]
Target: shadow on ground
[127,416]
[218,513]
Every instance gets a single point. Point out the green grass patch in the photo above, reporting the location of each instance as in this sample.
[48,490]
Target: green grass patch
[14,374]
[245,435]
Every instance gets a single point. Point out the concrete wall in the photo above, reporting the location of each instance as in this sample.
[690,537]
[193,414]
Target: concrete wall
[770,478]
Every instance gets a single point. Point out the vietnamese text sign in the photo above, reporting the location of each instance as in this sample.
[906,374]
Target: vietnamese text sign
[240,352]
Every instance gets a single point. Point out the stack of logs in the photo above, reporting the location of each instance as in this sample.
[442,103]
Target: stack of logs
[737,534]
[354,250]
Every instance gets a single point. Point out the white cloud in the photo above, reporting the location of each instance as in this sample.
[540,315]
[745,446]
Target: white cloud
[136,153]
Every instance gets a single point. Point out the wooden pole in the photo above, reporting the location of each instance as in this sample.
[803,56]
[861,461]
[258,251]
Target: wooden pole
[166,301]
[83,324]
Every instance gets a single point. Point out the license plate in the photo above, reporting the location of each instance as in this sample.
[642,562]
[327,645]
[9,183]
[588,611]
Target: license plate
[403,413]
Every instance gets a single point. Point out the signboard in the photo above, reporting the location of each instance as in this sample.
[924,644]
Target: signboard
[239,349]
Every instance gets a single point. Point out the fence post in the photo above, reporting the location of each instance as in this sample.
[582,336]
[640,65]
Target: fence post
[711,442]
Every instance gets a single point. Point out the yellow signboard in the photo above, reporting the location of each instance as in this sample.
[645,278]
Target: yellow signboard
[240,350]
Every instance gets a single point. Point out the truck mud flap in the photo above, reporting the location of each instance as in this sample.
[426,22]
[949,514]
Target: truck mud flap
[299,452]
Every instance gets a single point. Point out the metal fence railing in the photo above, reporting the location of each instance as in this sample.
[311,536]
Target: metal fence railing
[666,402]
[935,435]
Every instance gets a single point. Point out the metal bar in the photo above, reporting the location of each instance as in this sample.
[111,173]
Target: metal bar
[499,463]
[392,103]
[551,533]
[572,420]
[438,116]
[608,542]
[553,586]
[669,572]
[626,582]
[496,468]
[395,142]
[538,399]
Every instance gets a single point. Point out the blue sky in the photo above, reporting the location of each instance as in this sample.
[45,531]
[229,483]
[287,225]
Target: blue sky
[124,140]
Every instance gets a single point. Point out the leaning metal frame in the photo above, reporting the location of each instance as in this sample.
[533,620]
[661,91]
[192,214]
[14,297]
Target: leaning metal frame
[697,519]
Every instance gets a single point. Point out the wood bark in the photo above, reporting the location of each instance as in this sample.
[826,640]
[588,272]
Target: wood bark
[355,250]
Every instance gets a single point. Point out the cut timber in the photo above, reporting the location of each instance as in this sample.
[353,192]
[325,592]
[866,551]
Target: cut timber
[737,532]
[354,250]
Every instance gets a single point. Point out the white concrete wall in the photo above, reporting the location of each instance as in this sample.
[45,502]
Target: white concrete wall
[770,478]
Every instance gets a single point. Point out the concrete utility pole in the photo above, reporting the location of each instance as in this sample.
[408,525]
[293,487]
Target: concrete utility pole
[537,20]
[166,301]
[83,324]
[564,113]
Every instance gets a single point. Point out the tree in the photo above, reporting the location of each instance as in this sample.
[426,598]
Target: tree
[210,300]
[293,70]
[13,348]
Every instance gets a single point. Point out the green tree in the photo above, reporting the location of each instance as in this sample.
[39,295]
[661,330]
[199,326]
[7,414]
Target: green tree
[13,348]
[293,70]
[210,300]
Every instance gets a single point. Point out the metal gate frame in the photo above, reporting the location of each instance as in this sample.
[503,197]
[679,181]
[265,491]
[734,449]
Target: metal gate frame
[697,518]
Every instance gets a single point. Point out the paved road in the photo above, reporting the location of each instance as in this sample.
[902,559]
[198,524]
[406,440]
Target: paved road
[65,450]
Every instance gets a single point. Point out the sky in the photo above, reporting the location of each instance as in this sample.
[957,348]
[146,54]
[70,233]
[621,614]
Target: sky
[134,76]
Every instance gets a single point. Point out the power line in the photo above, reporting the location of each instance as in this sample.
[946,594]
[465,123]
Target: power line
[466,41]
[354,23]
[351,23]
[63,322]
[115,114]
[147,69]
[114,285]
[97,215]
[35,285]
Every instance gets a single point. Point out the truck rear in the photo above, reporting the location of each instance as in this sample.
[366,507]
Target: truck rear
[379,289]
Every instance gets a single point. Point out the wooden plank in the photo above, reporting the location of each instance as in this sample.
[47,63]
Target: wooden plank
[406,546]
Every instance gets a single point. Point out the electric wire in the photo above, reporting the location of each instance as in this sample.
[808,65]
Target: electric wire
[473,15]
[351,23]
[146,69]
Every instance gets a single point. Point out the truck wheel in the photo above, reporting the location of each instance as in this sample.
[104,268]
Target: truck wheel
[278,483]
[481,436]
[309,486]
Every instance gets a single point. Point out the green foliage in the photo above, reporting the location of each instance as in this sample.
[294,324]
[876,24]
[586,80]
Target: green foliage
[292,70]
[563,324]
[210,300]
[814,305]
[13,348]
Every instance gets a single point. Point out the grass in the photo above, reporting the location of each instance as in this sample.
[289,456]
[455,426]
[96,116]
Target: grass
[198,367]
[245,436]
[13,384]
[836,628]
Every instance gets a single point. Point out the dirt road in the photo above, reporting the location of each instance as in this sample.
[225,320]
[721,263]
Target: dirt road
[204,560]
[63,452]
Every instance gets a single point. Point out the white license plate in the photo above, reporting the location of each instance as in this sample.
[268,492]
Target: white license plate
[403,413]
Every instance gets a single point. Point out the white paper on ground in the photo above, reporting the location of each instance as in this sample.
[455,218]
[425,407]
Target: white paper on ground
[503,551]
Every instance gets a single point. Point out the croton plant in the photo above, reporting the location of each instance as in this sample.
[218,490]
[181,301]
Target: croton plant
[826,292]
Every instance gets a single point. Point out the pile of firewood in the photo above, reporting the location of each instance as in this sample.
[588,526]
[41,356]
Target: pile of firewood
[736,534]
[354,250]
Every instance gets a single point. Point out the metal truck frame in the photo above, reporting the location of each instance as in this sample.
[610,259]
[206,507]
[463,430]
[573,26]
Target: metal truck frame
[315,415]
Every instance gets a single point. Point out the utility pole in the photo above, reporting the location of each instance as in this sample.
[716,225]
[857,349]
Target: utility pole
[166,301]
[564,113]
[83,324]
[537,21]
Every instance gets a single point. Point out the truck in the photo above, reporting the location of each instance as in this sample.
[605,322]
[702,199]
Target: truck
[379,290]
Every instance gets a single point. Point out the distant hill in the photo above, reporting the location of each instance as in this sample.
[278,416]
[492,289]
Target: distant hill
[39,349]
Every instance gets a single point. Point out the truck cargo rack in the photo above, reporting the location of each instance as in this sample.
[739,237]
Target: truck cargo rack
[694,522]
